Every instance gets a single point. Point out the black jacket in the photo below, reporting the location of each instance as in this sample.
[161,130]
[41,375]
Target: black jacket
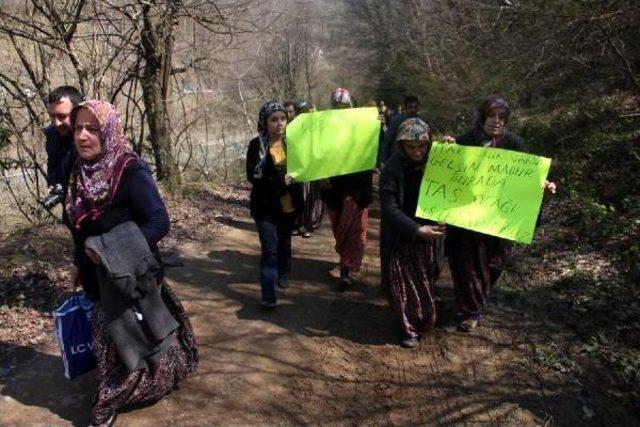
[358,185]
[61,155]
[508,141]
[396,225]
[137,199]
[266,191]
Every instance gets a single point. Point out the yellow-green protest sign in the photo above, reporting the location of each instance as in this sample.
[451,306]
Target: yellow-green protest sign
[490,190]
[332,142]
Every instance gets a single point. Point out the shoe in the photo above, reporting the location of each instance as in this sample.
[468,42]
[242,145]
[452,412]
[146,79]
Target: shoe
[295,232]
[335,272]
[344,284]
[409,343]
[307,234]
[283,284]
[107,423]
[345,280]
[469,324]
[268,304]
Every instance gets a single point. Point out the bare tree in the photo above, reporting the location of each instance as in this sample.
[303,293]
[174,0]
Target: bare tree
[155,24]
[123,49]
[289,56]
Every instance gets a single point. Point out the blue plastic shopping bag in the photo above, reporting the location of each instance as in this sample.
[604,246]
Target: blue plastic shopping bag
[72,322]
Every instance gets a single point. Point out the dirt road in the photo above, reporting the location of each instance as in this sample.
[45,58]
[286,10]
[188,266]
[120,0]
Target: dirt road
[321,357]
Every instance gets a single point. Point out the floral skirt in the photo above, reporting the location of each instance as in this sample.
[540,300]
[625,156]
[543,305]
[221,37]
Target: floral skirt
[413,271]
[118,388]
[350,231]
[476,261]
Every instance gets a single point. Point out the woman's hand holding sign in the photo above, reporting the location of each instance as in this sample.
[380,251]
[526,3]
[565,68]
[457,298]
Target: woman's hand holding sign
[549,186]
[448,139]
[428,232]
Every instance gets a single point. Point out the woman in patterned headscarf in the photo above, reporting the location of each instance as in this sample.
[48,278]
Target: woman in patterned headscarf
[476,260]
[347,198]
[274,199]
[410,247]
[110,185]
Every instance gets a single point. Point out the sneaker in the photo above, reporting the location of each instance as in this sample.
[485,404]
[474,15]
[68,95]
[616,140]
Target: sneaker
[469,324]
[409,343]
[307,234]
[295,232]
[268,304]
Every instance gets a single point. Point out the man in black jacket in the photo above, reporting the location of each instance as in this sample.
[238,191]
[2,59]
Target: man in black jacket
[61,153]
[388,144]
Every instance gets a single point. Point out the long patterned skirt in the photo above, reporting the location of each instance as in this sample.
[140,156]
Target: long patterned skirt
[476,261]
[349,227]
[413,272]
[311,216]
[119,388]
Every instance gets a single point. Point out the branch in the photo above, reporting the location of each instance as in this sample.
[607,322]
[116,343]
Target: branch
[186,67]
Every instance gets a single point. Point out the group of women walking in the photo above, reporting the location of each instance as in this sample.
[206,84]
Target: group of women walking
[412,249]
[111,196]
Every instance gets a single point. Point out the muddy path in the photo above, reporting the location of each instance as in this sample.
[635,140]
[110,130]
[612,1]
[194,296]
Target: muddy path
[323,356]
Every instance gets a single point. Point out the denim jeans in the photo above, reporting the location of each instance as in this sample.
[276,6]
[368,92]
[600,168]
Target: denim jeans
[275,261]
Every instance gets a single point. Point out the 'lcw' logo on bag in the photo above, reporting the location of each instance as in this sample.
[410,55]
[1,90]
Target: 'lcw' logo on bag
[73,330]
[81,348]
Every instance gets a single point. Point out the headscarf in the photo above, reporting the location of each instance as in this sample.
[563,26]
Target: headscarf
[267,109]
[412,129]
[94,183]
[302,106]
[493,102]
[341,96]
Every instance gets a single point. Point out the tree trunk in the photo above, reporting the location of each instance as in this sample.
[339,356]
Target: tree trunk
[157,48]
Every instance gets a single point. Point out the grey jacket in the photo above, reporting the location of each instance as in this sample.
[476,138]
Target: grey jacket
[138,322]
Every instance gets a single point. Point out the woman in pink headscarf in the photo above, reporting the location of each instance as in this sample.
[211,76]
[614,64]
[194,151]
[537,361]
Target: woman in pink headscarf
[347,198]
[111,185]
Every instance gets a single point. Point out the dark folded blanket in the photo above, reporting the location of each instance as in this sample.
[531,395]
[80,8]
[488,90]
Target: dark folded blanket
[138,322]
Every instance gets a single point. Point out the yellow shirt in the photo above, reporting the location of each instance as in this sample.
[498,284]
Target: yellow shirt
[279,156]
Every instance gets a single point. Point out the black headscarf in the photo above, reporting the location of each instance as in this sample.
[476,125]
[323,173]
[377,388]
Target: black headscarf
[267,109]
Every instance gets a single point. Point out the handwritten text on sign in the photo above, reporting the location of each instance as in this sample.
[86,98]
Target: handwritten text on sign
[490,190]
[331,143]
